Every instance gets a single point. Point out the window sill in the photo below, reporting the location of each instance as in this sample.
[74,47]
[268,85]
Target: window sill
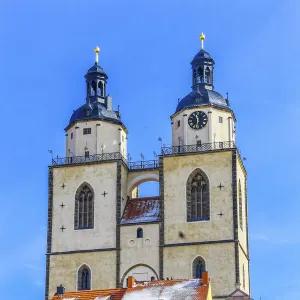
[198,220]
[84,228]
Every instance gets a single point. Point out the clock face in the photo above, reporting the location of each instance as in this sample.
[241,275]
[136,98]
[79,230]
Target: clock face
[197,120]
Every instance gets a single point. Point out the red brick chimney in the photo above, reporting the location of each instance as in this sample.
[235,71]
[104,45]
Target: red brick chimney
[130,281]
[205,278]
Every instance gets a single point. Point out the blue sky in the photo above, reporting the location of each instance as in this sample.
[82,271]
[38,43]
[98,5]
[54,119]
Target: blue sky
[146,47]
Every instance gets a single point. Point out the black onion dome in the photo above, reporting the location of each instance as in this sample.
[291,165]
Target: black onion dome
[202,97]
[95,111]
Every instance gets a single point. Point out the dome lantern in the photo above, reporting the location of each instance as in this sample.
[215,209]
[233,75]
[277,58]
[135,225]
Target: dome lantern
[202,67]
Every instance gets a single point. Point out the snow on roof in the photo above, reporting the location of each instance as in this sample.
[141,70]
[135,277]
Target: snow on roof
[168,290]
[141,210]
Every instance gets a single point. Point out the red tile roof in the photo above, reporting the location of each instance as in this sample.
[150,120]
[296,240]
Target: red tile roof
[141,210]
[92,295]
[166,289]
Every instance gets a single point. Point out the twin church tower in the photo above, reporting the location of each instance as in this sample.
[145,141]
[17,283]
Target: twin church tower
[100,231]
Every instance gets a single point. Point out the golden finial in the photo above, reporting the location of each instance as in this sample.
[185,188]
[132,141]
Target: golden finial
[202,38]
[97,50]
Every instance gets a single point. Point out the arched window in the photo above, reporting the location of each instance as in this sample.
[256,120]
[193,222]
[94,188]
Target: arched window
[207,75]
[84,208]
[240,205]
[200,74]
[84,278]
[93,88]
[100,89]
[139,233]
[198,267]
[197,197]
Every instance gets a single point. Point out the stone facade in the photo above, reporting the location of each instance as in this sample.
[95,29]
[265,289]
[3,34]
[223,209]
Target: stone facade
[162,252]
[64,268]
[169,245]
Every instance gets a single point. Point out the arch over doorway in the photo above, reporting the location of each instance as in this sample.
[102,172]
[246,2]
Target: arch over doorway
[141,272]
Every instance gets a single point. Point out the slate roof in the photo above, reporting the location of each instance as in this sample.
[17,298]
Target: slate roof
[96,69]
[141,210]
[202,97]
[200,56]
[94,111]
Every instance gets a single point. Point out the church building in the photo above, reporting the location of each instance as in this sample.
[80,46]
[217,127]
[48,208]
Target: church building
[100,232]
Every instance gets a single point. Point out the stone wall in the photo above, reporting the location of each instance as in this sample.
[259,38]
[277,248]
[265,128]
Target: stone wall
[102,178]
[63,270]
[219,259]
[136,251]
[217,167]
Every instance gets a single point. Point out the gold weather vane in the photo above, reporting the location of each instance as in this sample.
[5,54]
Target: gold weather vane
[202,38]
[97,50]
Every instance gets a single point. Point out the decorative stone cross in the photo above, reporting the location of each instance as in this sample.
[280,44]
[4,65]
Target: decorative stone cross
[62,228]
[63,185]
[220,186]
[62,205]
[104,194]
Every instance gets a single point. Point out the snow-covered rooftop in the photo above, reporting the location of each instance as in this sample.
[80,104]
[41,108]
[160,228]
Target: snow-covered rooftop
[168,290]
[141,210]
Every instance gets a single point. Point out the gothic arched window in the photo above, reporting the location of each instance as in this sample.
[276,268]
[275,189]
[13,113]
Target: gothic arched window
[84,278]
[207,75]
[240,205]
[84,207]
[198,267]
[139,233]
[197,197]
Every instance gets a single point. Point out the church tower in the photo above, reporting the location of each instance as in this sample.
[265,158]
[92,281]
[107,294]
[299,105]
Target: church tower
[100,232]
[204,188]
[84,198]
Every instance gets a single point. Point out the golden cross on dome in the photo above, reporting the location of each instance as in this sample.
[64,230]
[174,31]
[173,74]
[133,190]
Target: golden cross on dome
[97,50]
[202,38]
